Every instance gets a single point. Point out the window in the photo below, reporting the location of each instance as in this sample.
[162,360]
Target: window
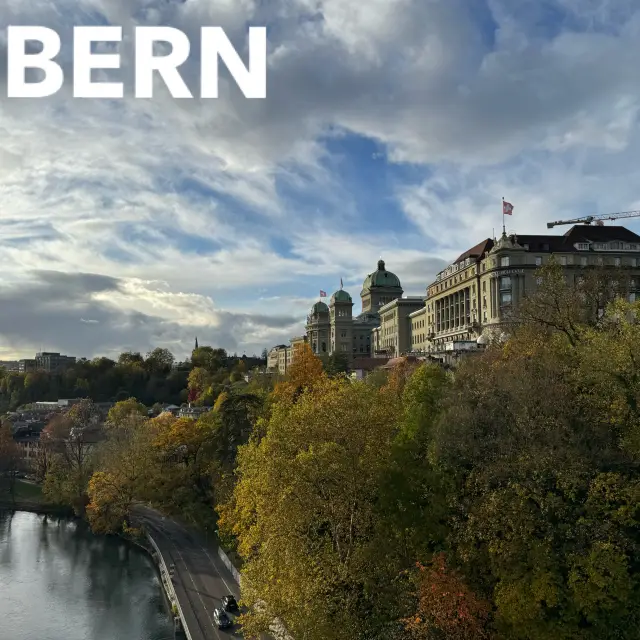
[538,280]
[505,282]
[484,286]
[505,298]
[632,297]
[504,262]
[563,261]
[617,262]
[538,261]
[634,262]
[583,262]
[582,246]
[526,246]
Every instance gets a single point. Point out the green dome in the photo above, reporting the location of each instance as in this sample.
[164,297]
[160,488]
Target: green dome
[341,296]
[320,307]
[381,278]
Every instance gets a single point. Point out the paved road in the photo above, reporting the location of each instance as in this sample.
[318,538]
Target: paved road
[201,578]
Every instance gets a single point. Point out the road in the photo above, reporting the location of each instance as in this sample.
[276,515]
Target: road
[201,579]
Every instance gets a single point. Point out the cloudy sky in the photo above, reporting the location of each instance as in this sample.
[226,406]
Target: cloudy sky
[391,128]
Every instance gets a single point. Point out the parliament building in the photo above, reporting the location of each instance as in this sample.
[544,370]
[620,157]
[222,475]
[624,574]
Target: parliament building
[468,302]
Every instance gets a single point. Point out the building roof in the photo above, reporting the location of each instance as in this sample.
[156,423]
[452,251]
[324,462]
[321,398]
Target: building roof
[578,233]
[381,278]
[341,296]
[368,363]
[477,251]
[394,362]
[319,307]
[406,301]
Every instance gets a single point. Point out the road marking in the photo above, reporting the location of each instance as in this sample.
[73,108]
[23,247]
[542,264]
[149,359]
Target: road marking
[206,611]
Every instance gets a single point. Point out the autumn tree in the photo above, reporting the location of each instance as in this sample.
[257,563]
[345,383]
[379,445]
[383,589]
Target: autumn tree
[125,415]
[539,471]
[568,303]
[73,437]
[305,371]
[199,382]
[127,465]
[303,509]
[446,608]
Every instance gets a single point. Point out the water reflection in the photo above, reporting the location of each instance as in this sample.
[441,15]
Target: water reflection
[57,580]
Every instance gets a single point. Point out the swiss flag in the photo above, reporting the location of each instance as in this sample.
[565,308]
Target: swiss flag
[507,208]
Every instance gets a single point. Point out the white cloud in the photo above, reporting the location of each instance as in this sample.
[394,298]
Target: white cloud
[536,102]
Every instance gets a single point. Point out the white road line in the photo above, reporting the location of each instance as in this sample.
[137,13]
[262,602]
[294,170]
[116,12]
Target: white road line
[172,543]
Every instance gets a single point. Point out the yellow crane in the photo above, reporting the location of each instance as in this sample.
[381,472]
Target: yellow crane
[599,220]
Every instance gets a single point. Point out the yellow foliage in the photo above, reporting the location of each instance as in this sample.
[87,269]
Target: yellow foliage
[305,372]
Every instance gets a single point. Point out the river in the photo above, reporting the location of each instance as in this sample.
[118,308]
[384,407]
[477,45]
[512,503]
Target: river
[60,582]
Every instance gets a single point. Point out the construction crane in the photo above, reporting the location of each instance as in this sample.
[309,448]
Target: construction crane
[597,219]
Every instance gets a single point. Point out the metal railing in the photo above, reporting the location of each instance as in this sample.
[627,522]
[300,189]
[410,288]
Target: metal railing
[169,582]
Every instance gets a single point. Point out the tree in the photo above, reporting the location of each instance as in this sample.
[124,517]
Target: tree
[303,510]
[306,371]
[125,415]
[127,468]
[10,458]
[336,364]
[569,303]
[159,361]
[73,437]
[199,382]
[130,359]
[213,360]
[447,609]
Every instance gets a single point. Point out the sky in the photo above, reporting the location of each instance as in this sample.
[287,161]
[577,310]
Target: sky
[391,128]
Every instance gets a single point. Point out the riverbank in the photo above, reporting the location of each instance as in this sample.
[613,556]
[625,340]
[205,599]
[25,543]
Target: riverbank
[27,496]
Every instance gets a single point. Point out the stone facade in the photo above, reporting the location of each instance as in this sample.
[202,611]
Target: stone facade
[467,302]
[477,294]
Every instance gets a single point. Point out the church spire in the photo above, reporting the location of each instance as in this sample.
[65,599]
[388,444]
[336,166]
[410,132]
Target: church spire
[196,342]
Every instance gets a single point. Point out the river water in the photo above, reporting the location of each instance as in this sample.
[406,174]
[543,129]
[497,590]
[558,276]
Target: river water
[60,582]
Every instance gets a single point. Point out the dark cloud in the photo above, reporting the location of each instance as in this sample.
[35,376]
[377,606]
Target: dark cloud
[56,311]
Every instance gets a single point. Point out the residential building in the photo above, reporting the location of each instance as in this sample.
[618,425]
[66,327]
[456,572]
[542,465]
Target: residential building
[26,365]
[192,412]
[50,361]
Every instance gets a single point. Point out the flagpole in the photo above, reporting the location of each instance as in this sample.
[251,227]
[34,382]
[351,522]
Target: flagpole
[503,227]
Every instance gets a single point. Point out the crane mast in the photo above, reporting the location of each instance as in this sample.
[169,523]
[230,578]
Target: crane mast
[597,219]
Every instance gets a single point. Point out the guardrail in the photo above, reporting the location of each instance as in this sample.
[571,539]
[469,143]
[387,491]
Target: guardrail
[227,563]
[169,582]
[277,628]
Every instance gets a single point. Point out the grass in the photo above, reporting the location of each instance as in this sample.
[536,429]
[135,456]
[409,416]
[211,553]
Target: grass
[23,491]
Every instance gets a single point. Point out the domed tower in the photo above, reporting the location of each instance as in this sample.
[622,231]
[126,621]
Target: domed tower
[319,328]
[340,309]
[379,288]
